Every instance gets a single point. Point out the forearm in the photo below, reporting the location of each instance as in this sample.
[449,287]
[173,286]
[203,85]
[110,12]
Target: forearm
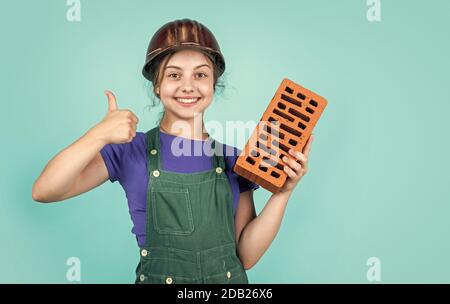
[62,170]
[258,234]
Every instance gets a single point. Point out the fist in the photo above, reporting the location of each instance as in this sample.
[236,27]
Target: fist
[118,126]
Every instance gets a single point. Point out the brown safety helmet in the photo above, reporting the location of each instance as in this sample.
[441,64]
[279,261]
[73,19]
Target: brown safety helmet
[180,34]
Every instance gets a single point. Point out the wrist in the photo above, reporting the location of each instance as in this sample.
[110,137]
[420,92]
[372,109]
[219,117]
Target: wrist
[94,135]
[284,193]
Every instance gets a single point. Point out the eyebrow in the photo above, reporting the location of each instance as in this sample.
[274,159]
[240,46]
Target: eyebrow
[177,67]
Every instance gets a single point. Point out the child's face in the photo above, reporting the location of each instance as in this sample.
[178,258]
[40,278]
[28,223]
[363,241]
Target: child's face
[187,74]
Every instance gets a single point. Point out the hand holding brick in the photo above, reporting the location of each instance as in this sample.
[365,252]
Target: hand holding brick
[287,123]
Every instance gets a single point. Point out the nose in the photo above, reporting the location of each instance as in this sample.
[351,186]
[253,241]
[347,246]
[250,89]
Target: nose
[187,86]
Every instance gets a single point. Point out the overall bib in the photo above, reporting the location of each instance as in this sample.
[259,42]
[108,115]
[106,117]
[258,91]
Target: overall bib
[190,234]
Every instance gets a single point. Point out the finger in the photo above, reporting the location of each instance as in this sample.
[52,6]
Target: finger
[299,156]
[290,172]
[292,164]
[132,136]
[135,119]
[307,147]
[112,104]
[130,115]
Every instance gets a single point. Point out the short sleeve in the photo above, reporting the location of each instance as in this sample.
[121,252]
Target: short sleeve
[244,184]
[112,156]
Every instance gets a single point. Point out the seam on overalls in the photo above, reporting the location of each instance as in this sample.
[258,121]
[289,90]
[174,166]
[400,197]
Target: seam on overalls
[171,259]
[199,265]
[218,275]
[170,190]
[164,275]
[189,215]
[202,182]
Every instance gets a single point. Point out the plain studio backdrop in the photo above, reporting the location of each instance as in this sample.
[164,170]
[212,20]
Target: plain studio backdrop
[376,194]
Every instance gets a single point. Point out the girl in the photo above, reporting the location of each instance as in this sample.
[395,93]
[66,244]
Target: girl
[194,218]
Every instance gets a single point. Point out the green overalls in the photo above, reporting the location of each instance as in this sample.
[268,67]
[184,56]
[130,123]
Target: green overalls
[190,235]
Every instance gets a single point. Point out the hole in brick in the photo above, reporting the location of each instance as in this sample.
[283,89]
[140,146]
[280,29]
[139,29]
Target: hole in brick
[254,153]
[298,114]
[281,105]
[309,110]
[289,90]
[301,125]
[313,103]
[269,161]
[284,115]
[263,136]
[262,168]
[291,100]
[272,163]
[282,147]
[273,132]
[290,130]
[301,96]
[273,120]
[269,130]
[265,148]
[250,160]
[292,142]
[275,174]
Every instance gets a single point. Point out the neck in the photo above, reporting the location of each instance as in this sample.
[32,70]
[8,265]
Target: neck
[193,128]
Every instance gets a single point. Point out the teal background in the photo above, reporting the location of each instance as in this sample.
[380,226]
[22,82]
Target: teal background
[378,179]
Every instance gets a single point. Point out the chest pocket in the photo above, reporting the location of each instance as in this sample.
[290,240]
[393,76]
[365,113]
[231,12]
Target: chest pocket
[172,211]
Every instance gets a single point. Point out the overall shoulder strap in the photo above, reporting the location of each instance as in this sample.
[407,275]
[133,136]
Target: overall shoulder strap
[150,136]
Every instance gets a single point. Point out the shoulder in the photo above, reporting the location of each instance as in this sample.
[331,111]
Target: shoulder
[138,144]
[231,155]
[116,156]
[133,147]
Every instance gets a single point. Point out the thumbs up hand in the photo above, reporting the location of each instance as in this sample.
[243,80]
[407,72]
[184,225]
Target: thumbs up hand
[118,126]
[112,104]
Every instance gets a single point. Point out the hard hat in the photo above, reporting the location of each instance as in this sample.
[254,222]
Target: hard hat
[181,34]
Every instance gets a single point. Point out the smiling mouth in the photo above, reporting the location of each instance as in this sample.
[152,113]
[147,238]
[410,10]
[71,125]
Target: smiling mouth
[187,101]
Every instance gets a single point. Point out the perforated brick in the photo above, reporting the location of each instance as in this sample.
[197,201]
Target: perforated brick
[287,123]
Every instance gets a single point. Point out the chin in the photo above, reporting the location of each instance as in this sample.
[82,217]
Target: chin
[189,114]
[189,111]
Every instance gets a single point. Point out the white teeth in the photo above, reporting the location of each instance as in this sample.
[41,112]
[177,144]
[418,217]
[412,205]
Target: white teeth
[184,100]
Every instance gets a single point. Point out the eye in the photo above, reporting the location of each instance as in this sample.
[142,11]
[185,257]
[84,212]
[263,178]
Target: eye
[204,75]
[170,75]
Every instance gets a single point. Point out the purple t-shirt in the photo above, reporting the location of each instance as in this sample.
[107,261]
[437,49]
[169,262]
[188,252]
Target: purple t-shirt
[127,163]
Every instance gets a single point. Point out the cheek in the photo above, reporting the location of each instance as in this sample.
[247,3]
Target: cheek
[167,89]
[207,89]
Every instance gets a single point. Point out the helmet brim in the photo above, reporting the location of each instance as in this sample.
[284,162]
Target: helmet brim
[149,68]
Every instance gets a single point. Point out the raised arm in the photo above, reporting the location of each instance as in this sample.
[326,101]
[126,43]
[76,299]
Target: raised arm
[80,167]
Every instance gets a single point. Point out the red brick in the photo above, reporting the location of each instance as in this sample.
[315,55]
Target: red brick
[287,123]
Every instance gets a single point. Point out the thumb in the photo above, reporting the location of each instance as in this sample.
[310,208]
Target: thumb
[112,104]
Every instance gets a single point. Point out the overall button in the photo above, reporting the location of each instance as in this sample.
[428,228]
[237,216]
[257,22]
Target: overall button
[153,151]
[169,280]
[156,173]
[228,274]
[142,277]
[144,252]
[219,170]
